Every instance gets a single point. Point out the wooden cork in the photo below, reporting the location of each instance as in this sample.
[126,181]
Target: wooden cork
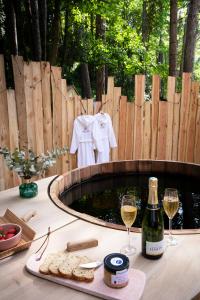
[80,245]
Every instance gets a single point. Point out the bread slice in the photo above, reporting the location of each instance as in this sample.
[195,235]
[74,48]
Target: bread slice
[56,262]
[44,267]
[81,274]
[68,265]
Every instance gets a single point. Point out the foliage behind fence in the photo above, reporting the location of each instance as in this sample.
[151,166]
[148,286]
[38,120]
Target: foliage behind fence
[39,115]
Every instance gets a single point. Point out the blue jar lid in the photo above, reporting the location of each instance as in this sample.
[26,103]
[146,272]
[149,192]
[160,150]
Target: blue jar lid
[116,262]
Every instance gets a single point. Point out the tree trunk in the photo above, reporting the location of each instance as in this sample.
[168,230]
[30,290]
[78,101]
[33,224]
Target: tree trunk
[183,48]
[191,34]
[100,82]
[173,38]
[85,82]
[67,55]
[160,61]
[144,23]
[11,29]
[20,26]
[100,73]
[36,30]
[43,27]
[55,34]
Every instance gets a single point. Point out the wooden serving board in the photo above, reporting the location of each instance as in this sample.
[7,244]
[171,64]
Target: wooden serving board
[133,291]
[27,234]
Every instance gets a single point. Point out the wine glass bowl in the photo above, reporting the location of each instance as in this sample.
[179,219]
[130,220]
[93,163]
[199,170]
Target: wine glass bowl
[128,215]
[171,205]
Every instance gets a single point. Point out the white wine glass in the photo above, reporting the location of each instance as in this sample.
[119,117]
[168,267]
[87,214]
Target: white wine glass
[128,214]
[171,205]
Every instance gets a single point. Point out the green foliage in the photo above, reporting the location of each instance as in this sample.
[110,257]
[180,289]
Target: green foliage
[27,164]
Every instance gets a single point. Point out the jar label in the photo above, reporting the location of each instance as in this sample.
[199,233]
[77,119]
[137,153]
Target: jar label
[154,248]
[120,277]
[116,261]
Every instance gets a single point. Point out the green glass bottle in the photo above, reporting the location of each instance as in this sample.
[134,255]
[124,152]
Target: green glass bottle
[152,224]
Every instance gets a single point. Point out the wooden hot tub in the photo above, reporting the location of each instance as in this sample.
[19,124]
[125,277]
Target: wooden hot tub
[78,177]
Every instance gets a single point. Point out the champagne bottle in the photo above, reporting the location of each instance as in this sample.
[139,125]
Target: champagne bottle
[152,224]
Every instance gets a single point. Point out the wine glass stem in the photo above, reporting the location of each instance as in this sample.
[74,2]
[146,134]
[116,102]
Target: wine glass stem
[129,238]
[170,228]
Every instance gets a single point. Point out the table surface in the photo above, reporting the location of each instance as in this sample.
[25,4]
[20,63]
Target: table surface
[175,276]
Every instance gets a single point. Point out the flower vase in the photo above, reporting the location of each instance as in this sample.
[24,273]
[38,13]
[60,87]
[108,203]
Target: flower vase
[28,189]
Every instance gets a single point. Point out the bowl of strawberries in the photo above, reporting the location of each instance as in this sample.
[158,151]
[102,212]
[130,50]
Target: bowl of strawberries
[10,235]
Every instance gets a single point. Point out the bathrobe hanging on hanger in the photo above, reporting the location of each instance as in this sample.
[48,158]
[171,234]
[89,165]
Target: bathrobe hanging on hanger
[85,138]
[107,137]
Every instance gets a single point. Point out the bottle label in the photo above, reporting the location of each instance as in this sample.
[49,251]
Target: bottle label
[120,277]
[154,248]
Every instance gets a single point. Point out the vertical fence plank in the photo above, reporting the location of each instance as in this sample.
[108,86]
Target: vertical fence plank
[155,108]
[129,130]
[147,130]
[122,127]
[110,97]
[90,106]
[77,103]
[46,102]
[28,90]
[18,71]
[162,130]
[176,120]
[197,136]
[38,109]
[77,108]
[192,122]
[97,107]
[138,120]
[70,124]
[64,123]
[184,115]
[116,98]
[57,112]
[6,179]
[13,128]
[84,107]
[170,106]
[12,117]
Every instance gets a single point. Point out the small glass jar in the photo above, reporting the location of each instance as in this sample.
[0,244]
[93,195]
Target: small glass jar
[116,270]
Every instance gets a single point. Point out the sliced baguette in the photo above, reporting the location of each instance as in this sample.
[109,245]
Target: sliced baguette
[56,262]
[81,274]
[66,268]
[44,267]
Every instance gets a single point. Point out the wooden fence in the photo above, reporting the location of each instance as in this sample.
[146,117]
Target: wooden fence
[39,115]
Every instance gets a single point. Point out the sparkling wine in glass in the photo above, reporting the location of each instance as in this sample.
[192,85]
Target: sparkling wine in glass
[128,214]
[171,205]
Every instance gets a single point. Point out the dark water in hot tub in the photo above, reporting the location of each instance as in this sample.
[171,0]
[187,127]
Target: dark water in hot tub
[100,197]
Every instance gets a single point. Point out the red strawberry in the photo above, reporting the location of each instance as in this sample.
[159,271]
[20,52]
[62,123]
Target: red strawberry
[1,228]
[12,230]
[9,235]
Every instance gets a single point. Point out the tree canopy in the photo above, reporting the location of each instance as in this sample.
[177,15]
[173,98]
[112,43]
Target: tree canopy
[93,39]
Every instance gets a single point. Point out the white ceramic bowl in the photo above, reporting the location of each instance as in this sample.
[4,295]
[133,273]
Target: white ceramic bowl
[12,241]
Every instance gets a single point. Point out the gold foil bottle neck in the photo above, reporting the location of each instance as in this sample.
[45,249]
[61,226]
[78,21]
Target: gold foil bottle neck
[153,194]
[153,182]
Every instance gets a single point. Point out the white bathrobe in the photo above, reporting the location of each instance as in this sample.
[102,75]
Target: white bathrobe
[84,139]
[106,138]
